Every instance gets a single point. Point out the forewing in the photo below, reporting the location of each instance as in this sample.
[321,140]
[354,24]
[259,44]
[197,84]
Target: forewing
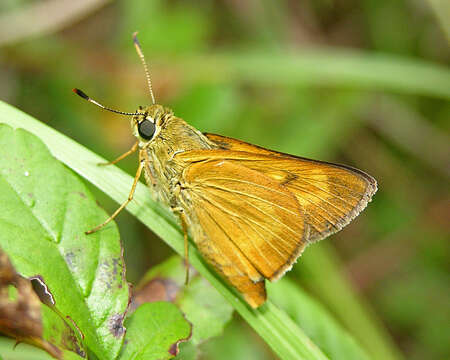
[246,213]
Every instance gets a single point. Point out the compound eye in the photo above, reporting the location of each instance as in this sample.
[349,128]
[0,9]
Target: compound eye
[146,129]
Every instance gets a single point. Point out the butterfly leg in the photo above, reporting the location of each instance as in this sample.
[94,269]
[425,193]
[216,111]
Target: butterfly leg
[125,203]
[184,226]
[123,156]
[143,155]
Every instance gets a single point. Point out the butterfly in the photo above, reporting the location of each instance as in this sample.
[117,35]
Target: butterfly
[250,211]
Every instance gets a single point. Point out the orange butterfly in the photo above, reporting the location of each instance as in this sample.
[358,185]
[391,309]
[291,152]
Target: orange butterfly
[250,211]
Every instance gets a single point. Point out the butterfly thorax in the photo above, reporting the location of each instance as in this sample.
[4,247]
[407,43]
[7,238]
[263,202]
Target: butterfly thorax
[172,135]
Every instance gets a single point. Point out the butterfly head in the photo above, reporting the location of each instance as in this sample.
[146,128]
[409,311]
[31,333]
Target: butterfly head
[148,121]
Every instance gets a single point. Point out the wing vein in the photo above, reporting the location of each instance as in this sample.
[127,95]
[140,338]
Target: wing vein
[253,197]
[237,216]
[230,239]
[332,218]
[253,243]
[246,182]
[218,250]
[329,193]
[336,185]
[264,214]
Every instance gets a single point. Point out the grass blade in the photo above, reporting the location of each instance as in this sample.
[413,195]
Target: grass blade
[323,67]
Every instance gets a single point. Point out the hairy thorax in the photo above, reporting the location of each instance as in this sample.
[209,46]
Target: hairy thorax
[164,170]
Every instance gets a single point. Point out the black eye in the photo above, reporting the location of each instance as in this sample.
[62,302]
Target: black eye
[146,129]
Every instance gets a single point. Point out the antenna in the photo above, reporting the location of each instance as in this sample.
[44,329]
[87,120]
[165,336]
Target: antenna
[85,97]
[137,45]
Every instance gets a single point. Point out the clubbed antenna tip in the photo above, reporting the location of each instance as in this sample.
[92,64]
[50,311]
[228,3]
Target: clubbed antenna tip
[87,98]
[80,93]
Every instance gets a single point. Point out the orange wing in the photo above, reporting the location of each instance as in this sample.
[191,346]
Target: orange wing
[330,195]
[253,226]
[255,210]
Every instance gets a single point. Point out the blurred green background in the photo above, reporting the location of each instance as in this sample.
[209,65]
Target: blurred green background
[360,82]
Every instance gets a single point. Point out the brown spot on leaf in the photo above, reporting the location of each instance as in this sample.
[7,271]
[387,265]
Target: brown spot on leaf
[75,326]
[174,349]
[69,257]
[70,340]
[116,325]
[116,263]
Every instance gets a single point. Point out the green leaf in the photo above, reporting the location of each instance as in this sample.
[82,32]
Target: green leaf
[154,331]
[10,350]
[318,324]
[273,325]
[205,309]
[45,211]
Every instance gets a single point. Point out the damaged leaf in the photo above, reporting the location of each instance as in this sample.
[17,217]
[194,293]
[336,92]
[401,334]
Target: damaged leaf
[206,309]
[154,331]
[24,318]
[45,211]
